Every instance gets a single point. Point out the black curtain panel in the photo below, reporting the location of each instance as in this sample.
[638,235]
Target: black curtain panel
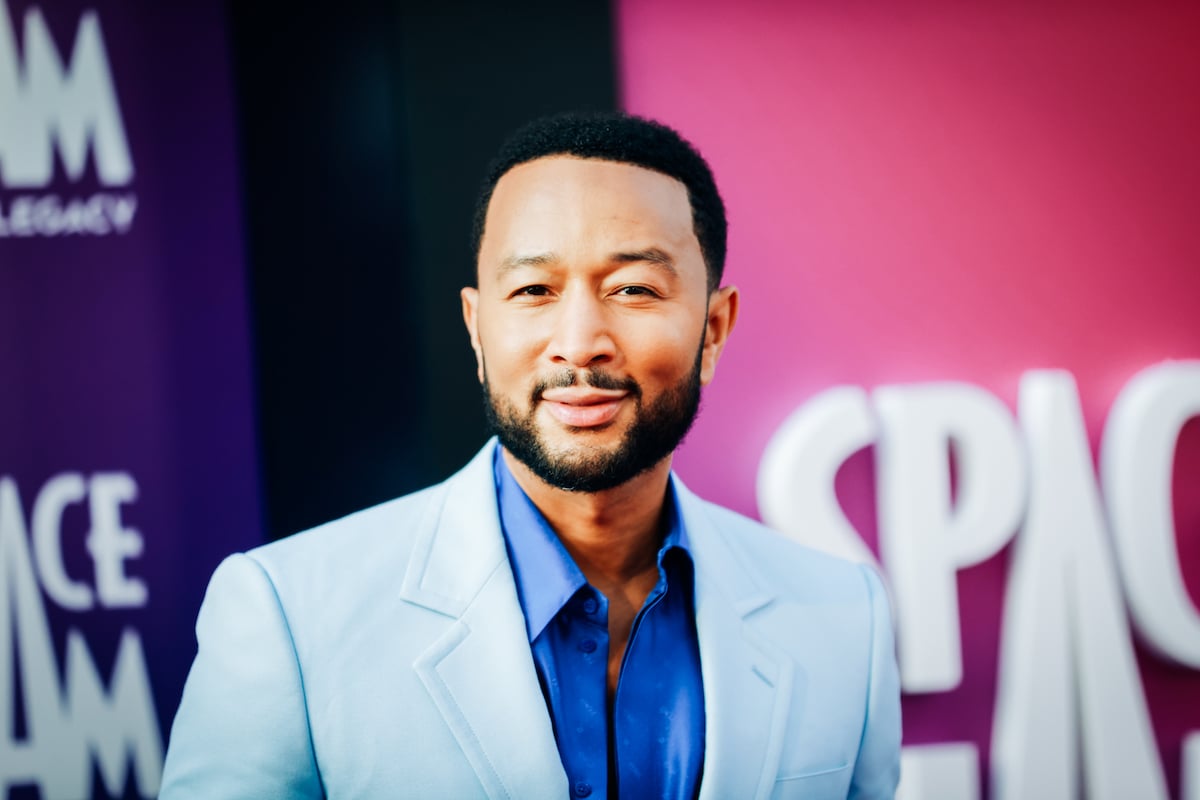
[364,130]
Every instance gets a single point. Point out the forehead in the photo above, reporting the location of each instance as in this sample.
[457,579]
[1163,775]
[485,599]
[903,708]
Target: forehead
[564,203]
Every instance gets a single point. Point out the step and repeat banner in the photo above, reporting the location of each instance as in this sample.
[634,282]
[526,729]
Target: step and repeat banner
[969,351]
[127,463]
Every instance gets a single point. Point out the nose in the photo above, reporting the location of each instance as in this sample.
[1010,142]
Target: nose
[582,337]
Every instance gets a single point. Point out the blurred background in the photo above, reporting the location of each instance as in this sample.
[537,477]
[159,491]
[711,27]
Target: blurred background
[232,238]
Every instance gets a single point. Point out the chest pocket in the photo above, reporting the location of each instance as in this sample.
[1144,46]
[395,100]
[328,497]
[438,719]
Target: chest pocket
[822,784]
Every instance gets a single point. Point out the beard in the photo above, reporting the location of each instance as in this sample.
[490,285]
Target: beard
[657,429]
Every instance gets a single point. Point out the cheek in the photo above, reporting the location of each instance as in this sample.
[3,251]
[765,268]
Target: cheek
[669,355]
[508,352]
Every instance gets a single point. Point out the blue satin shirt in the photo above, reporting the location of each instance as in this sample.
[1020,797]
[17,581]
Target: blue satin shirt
[648,740]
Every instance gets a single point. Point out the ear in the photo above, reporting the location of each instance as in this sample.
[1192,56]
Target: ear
[722,315]
[470,309]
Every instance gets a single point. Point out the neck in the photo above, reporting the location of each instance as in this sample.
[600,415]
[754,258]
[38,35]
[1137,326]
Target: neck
[613,535]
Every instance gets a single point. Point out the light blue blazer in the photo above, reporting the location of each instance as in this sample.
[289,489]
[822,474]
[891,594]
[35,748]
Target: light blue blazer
[384,655]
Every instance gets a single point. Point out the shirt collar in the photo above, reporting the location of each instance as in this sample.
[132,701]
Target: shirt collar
[546,575]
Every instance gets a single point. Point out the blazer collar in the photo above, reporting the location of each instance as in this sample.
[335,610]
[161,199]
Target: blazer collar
[747,679]
[479,672]
[459,544]
[459,568]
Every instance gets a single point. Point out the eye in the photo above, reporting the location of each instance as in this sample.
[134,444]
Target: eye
[531,291]
[636,291]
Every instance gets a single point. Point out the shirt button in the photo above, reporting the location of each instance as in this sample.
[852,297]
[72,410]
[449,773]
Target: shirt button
[590,605]
[582,788]
[587,646]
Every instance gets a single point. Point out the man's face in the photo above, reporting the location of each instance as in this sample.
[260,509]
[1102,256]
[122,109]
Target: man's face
[592,324]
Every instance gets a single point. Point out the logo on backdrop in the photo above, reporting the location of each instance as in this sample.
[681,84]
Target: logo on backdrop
[51,105]
[72,716]
[1085,553]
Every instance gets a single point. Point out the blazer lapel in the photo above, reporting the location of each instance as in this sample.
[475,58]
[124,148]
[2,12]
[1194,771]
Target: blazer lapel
[747,681]
[480,673]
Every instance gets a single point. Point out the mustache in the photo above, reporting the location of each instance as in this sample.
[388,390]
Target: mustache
[594,378]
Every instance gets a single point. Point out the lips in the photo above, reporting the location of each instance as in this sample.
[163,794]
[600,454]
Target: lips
[583,407]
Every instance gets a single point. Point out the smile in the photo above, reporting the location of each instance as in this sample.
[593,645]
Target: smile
[583,407]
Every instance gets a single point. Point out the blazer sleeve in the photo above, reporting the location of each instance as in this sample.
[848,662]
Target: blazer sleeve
[877,770]
[242,726]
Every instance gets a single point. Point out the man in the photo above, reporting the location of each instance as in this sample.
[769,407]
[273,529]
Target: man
[562,618]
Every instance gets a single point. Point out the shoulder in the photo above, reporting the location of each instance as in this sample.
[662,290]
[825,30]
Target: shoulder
[383,534]
[786,567]
[375,541]
[344,567]
[318,583]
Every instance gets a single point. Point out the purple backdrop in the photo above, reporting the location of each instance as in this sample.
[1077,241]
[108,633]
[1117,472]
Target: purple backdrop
[126,424]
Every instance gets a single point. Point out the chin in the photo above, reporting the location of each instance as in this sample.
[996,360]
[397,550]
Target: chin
[583,441]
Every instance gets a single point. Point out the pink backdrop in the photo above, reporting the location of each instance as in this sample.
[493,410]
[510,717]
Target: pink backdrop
[943,192]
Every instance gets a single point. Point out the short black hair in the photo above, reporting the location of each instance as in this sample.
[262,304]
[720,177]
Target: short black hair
[624,138]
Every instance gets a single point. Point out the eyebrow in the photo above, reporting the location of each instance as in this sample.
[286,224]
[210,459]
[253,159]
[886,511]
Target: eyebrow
[650,255]
[532,260]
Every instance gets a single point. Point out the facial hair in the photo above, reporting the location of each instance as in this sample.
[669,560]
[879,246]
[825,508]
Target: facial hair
[657,429]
